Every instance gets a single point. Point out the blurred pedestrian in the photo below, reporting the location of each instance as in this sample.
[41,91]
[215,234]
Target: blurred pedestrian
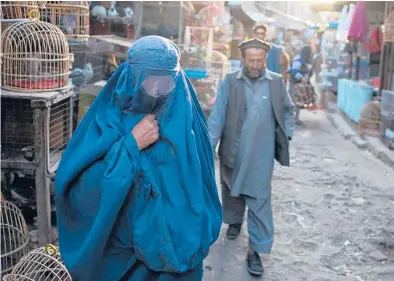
[300,72]
[276,52]
[253,118]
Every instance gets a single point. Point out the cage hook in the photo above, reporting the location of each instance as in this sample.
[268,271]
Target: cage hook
[51,249]
[34,14]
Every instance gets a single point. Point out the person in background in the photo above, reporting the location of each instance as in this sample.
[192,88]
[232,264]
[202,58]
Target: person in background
[253,118]
[284,65]
[274,56]
[300,72]
[136,196]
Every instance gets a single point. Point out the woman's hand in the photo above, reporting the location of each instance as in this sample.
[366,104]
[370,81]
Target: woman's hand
[146,132]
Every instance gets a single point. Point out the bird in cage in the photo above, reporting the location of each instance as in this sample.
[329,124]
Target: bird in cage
[28,153]
[80,77]
[67,23]
[4,152]
[128,12]
[112,12]
[32,66]
[99,12]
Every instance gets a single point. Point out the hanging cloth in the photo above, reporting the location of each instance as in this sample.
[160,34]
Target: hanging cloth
[359,27]
[340,31]
[375,41]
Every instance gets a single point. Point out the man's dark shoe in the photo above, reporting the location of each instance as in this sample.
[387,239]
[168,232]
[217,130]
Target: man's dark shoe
[233,230]
[255,266]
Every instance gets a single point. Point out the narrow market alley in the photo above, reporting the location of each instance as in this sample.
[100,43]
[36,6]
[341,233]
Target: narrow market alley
[333,212]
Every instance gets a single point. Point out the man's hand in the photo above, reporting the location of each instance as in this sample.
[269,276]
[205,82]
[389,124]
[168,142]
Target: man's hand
[146,132]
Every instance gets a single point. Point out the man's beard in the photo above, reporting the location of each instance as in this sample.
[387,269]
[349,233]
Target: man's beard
[253,77]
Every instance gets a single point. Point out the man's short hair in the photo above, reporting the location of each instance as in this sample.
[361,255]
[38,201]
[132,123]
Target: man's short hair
[260,26]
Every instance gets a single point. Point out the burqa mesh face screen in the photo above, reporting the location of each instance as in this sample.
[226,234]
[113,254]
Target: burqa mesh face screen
[153,93]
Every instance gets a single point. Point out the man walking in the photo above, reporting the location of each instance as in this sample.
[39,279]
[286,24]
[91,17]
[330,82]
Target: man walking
[253,118]
[277,59]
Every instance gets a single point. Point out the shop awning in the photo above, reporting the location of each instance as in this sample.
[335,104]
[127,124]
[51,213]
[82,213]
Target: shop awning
[250,12]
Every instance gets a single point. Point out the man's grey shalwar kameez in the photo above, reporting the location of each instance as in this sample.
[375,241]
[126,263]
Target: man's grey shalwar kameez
[248,182]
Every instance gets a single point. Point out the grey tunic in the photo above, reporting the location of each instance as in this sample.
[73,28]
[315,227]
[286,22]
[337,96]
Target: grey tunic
[255,158]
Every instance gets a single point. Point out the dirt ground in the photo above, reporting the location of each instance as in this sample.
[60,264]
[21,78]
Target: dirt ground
[334,215]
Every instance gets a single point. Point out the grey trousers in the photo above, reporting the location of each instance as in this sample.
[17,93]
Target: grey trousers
[260,219]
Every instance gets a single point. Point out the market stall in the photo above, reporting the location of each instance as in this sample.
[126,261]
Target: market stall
[367,91]
[36,115]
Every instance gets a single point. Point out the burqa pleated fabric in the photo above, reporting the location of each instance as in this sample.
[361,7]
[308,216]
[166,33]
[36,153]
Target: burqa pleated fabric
[130,215]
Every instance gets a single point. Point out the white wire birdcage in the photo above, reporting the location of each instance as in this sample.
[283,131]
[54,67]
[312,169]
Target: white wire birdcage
[219,65]
[42,263]
[14,236]
[35,57]
[72,17]
[17,9]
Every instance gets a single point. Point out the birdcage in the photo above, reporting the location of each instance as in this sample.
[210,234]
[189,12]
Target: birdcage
[35,57]
[35,129]
[72,17]
[219,65]
[166,18]
[389,27]
[20,127]
[197,51]
[43,263]
[217,17]
[14,236]
[17,9]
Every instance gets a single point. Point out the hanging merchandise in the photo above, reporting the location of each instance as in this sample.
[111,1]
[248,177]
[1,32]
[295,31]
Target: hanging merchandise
[375,41]
[340,31]
[346,25]
[358,28]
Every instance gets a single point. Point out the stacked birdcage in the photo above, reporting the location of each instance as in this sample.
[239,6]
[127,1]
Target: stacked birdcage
[166,18]
[44,263]
[14,236]
[35,58]
[17,9]
[72,17]
[36,107]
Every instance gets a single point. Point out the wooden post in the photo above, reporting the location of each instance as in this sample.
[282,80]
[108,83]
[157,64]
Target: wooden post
[42,180]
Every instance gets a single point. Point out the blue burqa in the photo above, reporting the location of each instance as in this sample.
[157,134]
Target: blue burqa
[130,215]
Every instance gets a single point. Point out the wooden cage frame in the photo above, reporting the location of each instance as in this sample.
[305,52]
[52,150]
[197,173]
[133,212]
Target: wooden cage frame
[72,19]
[34,57]
[48,117]
[17,9]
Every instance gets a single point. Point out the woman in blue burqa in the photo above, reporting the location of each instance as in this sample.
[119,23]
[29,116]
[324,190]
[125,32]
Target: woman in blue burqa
[136,196]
